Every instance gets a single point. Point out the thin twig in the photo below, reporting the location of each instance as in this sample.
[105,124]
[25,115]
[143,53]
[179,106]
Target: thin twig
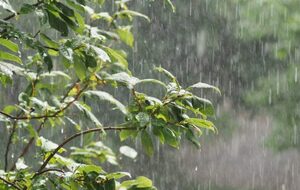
[45,116]
[136,98]
[37,33]
[26,148]
[9,142]
[100,129]
[10,183]
[28,145]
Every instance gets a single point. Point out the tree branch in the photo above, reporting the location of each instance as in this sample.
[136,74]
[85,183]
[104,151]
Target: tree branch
[136,98]
[46,116]
[9,142]
[10,183]
[101,129]
[28,145]
[26,148]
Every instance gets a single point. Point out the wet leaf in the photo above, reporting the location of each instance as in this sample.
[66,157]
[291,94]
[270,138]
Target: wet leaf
[56,23]
[147,143]
[133,13]
[47,145]
[101,53]
[128,151]
[10,57]
[125,35]
[204,85]
[6,5]
[9,45]
[101,95]
[202,123]
[118,175]
[20,165]
[170,138]
[124,78]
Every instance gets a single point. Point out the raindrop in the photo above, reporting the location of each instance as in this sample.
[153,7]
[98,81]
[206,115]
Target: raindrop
[277,82]
[295,134]
[270,96]
[296,74]
[81,139]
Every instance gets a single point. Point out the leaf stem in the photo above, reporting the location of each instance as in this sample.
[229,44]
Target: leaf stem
[45,116]
[26,148]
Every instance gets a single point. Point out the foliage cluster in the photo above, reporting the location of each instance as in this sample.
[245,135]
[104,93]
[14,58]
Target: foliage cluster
[76,56]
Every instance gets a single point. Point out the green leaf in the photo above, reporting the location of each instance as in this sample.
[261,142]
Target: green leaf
[100,53]
[32,131]
[80,22]
[47,59]
[118,175]
[68,21]
[125,35]
[76,6]
[204,85]
[202,123]
[193,138]
[9,109]
[157,131]
[124,78]
[114,54]
[143,118]
[102,15]
[9,45]
[65,9]
[132,13]
[170,137]
[204,105]
[89,168]
[69,163]
[10,57]
[125,134]
[139,183]
[107,97]
[56,23]
[27,8]
[49,42]
[143,182]
[169,75]
[48,145]
[67,53]
[20,165]
[171,5]
[80,68]
[90,61]
[147,143]
[9,69]
[55,74]
[88,113]
[128,151]
[110,185]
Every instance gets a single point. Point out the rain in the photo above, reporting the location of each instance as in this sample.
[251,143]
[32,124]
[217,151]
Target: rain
[248,49]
